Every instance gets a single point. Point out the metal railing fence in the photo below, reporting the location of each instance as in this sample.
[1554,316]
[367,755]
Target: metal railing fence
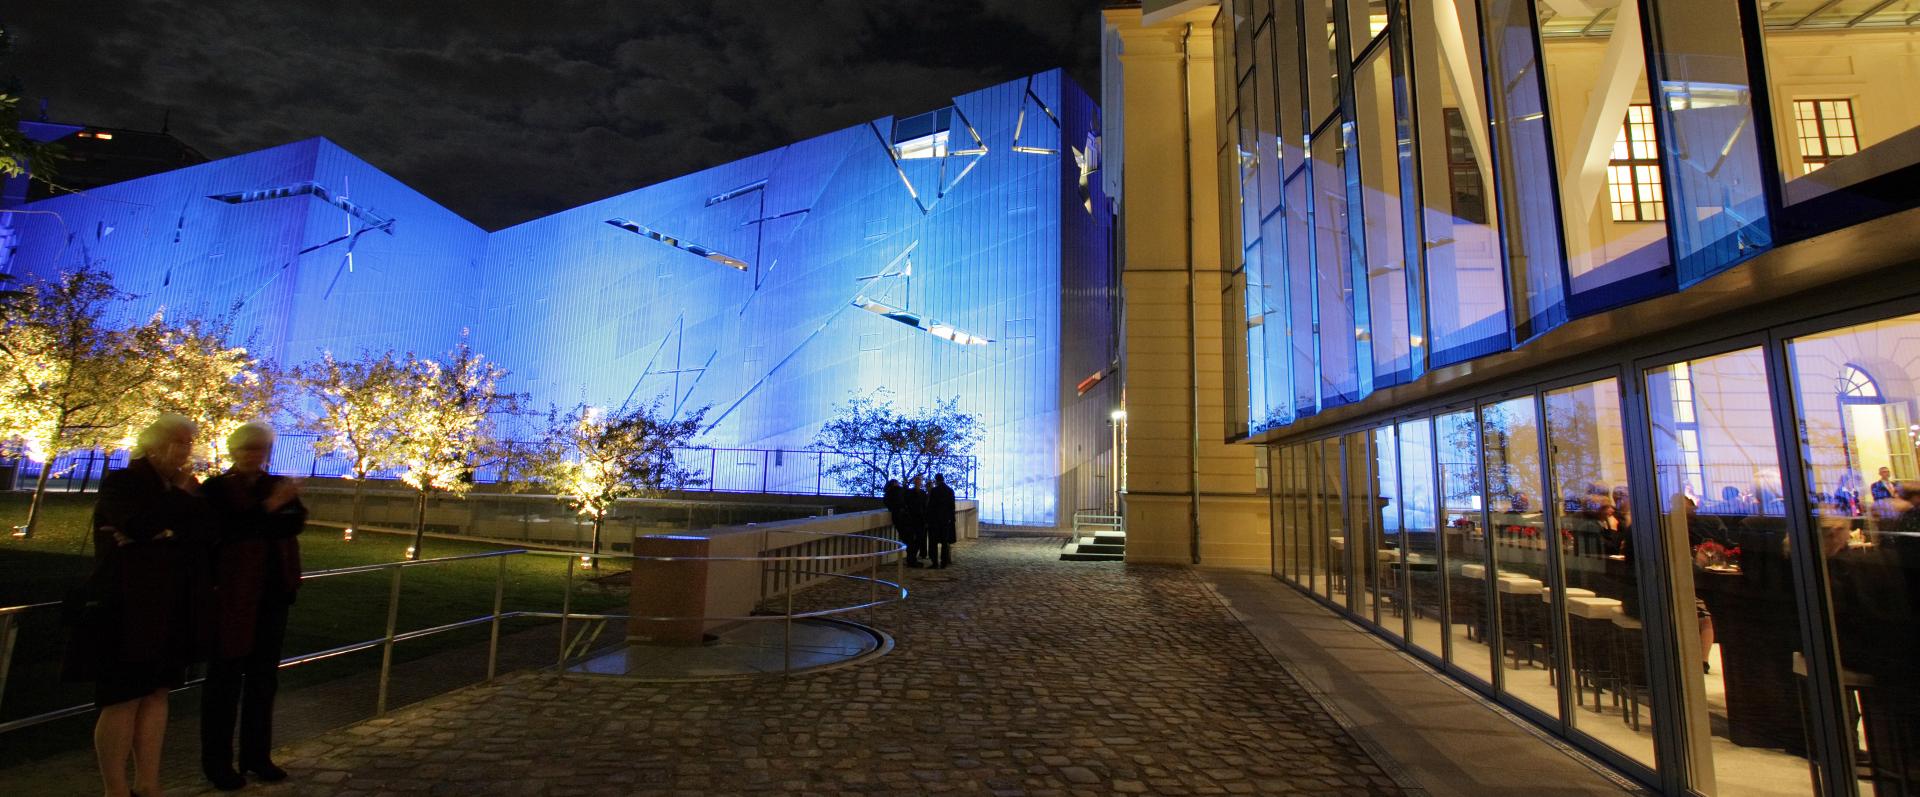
[797,571]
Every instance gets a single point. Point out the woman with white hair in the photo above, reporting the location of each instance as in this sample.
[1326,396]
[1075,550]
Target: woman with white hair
[145,621]
[258,518]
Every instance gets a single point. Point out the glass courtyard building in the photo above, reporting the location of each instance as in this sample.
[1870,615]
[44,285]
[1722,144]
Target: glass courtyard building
[960,253]
[1583,341]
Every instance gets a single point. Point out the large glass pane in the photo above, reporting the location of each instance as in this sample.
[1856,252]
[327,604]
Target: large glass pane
[1854,392]
[1612,197]
[1362,530]
[1607,655]
[1421,533]
[1339,366]
[1313,540]
[1288,81]
[1366,20]
[1297,536]
[1250,153]
[1466,292]
[1266,97]
[1323,75]
[1301,291]
[1333,518]
[1529,211]
[1271,316]
[1523,576]
[1840,76]
[1389,536]
[1716,197]
[1457,440]
[1380,217]
[1244,344]
[1724,521]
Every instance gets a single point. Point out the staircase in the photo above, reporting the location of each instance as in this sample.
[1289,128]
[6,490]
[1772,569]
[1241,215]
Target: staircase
[1096,538]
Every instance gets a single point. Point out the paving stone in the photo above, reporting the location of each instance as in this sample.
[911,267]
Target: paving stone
[1013,674]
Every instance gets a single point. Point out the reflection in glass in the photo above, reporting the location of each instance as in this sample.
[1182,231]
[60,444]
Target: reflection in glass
[1523,563]
[1298,243]
[1380,216]
[1723,517]
[1270,314]
[1339,327]
[1457,438]
[1361,526]
[1840,77]
[1854,396]
[1466,307]
[1312,539]
[1611,194]
[1389,536]
[1420,533]
[1607,650]
[1528,209]
[1333,518]
[1323,76]
[1716,198]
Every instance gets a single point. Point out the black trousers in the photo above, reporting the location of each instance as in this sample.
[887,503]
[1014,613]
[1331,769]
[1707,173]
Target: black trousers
[246,683]
[916,540]
[940,553]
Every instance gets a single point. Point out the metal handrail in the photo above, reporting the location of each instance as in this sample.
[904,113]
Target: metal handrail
[884,548]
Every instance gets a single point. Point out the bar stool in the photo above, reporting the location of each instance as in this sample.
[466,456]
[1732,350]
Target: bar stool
[1590,624]
[1520,617]
[1630,661]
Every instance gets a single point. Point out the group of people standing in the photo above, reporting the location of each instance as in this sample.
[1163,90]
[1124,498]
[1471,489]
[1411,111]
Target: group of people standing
[923,517]
[187,572]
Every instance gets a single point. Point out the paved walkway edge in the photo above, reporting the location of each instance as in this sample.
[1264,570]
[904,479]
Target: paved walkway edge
[1223,584]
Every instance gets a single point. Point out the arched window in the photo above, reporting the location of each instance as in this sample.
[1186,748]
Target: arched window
[1856,386]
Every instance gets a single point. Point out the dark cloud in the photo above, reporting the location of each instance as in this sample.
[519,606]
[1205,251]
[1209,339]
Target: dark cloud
[508,110]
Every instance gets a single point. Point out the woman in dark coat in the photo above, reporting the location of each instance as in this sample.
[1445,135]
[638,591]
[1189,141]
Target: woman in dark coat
[940,527]
[913,521]
[146,617]
[894,498]
[257,518]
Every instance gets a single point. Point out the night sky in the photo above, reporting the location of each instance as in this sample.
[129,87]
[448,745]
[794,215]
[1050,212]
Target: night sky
[507,111]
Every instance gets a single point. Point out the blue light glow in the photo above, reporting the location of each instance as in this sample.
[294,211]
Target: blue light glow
[997,253]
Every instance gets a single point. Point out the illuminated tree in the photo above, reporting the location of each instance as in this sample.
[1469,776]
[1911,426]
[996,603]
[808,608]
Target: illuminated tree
[593,458]
[355,410]
[68,380]
[446,428]
[876,442]
[216,385]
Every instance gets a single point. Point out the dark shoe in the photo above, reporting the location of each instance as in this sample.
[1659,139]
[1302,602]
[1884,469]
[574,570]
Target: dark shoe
[265,771]
[914,563]
[225,779]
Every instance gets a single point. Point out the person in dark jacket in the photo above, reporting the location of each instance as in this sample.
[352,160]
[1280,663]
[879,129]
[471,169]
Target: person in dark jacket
[913,516]
[891,497]
[257,517]
[940,526]
[145,613]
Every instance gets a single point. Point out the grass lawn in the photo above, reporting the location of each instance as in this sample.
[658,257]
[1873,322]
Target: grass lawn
[329,613]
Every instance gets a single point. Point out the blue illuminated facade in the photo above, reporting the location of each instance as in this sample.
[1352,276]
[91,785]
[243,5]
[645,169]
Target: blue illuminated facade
[962,252]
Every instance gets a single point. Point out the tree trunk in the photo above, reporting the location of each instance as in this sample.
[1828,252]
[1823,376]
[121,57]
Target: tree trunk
[419,526]
[39,492]
[359,489]
[594,561]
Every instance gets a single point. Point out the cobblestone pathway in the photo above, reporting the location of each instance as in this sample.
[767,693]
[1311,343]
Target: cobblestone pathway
[1014,674]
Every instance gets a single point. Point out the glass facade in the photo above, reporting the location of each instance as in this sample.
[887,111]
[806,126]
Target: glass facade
[1693,562]
[1450,179]
[1723,538]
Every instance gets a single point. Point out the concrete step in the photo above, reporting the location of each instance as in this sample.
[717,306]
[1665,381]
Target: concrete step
[1076,556]
[1098,548]
[1110,538]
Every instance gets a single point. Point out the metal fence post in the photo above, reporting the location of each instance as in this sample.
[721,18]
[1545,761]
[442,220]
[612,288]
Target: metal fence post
[566,608]
[766,469]
[786,648]
[819,472]
[386,650]
[8,633]
[493,640]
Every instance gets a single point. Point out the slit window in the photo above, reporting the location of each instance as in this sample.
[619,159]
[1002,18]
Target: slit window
[1826,132]
[1633,172]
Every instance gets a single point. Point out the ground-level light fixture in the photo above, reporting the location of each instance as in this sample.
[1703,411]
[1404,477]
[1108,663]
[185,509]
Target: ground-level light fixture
[1119,415]
[346,534]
